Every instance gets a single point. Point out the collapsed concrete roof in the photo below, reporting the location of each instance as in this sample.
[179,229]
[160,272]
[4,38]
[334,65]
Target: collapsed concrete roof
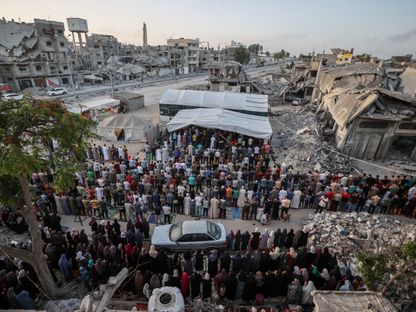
[361,75]
[15,40]
[408,81]
[348,301]
[345,105]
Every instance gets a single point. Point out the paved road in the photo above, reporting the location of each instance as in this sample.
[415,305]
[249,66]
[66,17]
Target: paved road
[182,80]
[297,215]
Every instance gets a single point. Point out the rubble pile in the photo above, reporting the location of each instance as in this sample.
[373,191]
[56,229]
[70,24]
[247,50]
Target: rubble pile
[8,237]
[349,233]
[274,86]
[296,143]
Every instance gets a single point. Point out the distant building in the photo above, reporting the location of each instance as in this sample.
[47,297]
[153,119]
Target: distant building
[100,48]
[184,54]
[343,56]
[144,35]
[34,54]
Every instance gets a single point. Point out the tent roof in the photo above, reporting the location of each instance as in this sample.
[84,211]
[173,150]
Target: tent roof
[216,118]
[350,301]
[96,103]
[124,121]
[227,100]
[345,106]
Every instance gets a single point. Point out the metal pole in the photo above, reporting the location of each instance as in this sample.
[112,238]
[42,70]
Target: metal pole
[112,83]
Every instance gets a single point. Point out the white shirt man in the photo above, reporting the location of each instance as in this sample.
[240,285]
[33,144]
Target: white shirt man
[282,194]
[285,203]
[105,153]
[212,145]
[99,193]
[120,153]
[181,190]
[126,186]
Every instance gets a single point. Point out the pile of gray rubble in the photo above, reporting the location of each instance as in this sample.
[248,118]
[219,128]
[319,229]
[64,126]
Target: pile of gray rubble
[350,233]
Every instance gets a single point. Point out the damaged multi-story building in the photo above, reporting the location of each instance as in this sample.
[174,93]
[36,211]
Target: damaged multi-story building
[365,116]
[34,54]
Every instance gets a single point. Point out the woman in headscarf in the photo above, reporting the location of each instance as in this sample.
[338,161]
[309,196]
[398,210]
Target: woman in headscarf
[213,263]
[264,239]
[255,240]
[195,282]
[241,281]
[245,238]
[138,283]
[165,279]
[325,275]
[259,282]
[230,240]
[291,258]
[65,267]
[277,236]
[315,276]
[305,274]
[185,285]
[249,288]
[294,292]
[289,239]
[283,238]
[219,280]
[206,287]
[187,266]
[307,292]
[270,241]
[274,258]
[237,240]
[230,286]
[347,286]
[297,273]
[199,260]
[154,262]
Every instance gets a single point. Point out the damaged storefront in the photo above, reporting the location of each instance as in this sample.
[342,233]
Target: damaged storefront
[364,119]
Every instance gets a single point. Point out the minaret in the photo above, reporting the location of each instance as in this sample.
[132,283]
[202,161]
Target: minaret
[144,35]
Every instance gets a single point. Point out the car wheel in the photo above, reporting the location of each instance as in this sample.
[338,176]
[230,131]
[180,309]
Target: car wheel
[64,93]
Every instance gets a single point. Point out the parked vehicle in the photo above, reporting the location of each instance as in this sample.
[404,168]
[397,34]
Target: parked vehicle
[189,235]
[56,92]
[12,96]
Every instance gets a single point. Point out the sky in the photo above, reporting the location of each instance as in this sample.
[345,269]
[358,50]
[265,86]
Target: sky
[378,27]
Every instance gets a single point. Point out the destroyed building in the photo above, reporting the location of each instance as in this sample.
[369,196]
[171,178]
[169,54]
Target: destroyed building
[34,54]
[365,119]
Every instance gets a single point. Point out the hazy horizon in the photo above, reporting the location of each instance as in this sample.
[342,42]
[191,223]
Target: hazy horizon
[381,28]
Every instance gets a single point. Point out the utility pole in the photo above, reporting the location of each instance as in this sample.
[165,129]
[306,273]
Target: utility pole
[112,83]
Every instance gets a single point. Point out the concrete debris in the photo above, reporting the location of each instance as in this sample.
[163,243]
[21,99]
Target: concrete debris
[298,143]
[67,305]
[305,130]
[348,233]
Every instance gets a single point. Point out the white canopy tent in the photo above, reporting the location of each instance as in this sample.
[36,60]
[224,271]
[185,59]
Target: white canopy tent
[127,127]
[173,101]
[223,119]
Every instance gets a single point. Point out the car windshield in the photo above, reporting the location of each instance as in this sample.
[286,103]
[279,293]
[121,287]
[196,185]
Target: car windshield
[176,231]
[214,230]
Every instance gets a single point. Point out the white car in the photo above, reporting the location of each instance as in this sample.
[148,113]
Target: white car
[12,96]
[189,235]
[56,92]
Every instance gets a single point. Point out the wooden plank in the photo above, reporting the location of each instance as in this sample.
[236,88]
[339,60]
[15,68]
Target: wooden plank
[113,284]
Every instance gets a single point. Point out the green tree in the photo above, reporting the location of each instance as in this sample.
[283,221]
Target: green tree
[267,53]
[363,57]
[254,48]
[242,55]
[27,128]
[281,54]
[388,267]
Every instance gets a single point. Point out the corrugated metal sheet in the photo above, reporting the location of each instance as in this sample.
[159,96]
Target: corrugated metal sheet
[345,107]
[208,99]
[350,301]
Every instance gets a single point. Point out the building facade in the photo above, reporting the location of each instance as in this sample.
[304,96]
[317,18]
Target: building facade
[34,54]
